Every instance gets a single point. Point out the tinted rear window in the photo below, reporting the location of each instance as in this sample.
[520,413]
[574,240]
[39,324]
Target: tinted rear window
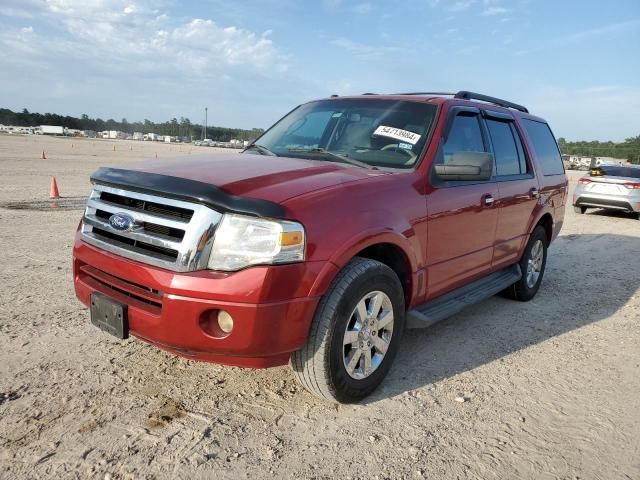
[544,146]
[616,171]
[506,148]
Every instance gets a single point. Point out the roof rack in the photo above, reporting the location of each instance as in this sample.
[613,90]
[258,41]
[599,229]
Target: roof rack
[425,93]
[464,95]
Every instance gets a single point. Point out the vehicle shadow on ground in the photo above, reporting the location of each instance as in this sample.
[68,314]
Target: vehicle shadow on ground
[612,213]
[588,278]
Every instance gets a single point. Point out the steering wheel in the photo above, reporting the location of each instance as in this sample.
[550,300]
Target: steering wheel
[394,146]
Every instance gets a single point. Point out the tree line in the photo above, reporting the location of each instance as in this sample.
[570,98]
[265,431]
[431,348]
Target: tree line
[628,150]
[175,127]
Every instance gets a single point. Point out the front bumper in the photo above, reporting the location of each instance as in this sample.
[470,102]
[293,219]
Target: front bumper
[270,305]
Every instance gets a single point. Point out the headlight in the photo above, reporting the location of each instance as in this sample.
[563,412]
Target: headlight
[241,241]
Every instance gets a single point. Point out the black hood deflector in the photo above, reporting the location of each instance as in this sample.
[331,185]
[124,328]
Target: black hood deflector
[188,190]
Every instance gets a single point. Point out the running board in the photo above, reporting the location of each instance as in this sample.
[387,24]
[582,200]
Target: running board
[446,305]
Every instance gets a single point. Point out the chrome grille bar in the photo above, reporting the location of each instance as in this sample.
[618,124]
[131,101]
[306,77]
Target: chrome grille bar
[156,240]
[140,215]
[147,245]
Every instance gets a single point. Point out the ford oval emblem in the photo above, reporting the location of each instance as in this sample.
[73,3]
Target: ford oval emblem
[121,221]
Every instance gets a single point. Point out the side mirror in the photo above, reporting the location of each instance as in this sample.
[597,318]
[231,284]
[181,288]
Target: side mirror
[466,166]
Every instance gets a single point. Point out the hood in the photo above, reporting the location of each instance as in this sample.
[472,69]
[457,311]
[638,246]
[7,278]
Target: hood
[259,176]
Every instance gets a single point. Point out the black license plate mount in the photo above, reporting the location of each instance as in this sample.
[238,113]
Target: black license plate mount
[109,315]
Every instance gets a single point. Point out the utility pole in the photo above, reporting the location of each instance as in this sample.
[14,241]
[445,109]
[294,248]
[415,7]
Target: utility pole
[205,122]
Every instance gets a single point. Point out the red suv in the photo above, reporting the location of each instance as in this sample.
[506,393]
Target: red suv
[349,220]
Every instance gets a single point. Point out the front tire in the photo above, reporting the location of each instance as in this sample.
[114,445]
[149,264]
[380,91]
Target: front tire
[532,265]
[354,335]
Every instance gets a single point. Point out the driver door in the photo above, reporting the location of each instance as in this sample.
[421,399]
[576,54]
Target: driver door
[462,215]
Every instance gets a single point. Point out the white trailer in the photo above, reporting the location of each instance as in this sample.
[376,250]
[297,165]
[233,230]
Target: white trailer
[52,130]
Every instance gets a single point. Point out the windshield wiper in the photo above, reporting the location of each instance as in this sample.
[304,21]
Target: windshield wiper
[337,156]
[261,150]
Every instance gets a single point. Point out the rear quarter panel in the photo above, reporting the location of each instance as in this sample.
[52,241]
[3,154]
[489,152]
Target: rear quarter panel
[553,188]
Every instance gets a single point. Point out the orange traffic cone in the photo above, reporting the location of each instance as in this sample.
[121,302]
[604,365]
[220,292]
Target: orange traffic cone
[53,189]
[43,156]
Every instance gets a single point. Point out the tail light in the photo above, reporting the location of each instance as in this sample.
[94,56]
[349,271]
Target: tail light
[585,180]
[632,185]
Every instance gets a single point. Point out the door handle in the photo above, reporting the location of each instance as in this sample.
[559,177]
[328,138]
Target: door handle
[488,200]
[534,192]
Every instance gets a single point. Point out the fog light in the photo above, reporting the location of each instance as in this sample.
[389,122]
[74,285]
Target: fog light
[225,321]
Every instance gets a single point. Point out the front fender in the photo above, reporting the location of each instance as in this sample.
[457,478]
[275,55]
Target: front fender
[350,248]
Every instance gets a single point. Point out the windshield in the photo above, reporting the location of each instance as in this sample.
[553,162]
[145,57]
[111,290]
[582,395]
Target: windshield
[369,132]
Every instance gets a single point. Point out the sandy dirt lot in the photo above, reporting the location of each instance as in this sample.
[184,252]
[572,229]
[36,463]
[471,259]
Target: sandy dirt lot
[552,386]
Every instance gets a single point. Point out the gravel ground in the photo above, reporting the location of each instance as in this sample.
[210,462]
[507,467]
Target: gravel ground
[542,390]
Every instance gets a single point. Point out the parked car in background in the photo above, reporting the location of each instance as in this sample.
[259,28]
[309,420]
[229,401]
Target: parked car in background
[612,187]
[347,221]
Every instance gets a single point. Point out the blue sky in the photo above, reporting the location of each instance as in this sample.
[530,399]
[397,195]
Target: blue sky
[576,63]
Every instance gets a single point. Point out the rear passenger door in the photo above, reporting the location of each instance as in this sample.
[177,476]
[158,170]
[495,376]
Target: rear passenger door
[517,187]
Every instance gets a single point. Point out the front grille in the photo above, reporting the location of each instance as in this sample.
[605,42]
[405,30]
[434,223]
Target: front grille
[153,207]
[169,233]
[169,253]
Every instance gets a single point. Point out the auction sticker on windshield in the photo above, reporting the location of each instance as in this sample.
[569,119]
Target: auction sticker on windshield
[398,134]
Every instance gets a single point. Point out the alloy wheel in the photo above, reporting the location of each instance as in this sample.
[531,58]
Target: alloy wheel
[534,264]
[368,335]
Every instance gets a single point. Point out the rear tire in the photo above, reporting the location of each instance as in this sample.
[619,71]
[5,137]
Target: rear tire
[532,265]
[354,335]
[581,210]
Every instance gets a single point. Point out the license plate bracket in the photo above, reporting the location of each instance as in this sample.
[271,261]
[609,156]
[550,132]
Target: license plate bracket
[109,315]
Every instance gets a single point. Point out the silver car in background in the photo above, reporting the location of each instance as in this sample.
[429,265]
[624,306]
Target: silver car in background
[613,187]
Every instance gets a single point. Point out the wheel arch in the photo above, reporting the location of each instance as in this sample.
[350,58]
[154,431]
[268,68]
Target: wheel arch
[389,248]
[395,258]
[546,221]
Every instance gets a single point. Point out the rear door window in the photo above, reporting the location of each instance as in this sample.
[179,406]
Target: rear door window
[508,152]
[544,146]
